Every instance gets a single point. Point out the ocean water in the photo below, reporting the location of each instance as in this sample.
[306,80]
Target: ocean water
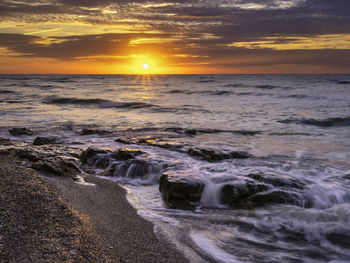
[295,127]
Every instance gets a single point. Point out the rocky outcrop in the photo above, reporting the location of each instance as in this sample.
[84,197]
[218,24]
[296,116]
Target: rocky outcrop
[21,131]
[57,166]
[5,142]
[91,155]
[45,140]
[214,156]
[102,158]
[85,132]
[237,194]
[123,163]
[151,142]
[263,189]
[180,192]
[136,168]
[52,160]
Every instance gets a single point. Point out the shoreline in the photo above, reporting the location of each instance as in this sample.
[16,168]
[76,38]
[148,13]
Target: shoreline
[117,225]
[114,229]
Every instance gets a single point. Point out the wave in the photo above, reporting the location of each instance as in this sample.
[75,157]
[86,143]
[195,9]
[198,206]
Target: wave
[234,85]
[101,103]
[204,92]
[330,122]
[296,96]
[341,82]
[206,81]
[6,91]
[267,87]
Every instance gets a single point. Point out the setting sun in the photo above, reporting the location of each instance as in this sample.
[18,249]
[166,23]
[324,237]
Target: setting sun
[145,66]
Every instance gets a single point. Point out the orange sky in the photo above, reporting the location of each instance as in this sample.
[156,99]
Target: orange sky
[175,37]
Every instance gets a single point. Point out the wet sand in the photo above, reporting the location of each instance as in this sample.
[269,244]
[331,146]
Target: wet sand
[127,236]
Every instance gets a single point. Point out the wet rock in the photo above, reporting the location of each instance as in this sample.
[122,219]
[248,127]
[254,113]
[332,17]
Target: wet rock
[214,156]
[20,131]
[126,154]
[182,131]
[135,168]
[29,154]
[236,195]
[93,131]
[45,140]
[251,195]
[102,159]
[180,192]
[277,180]
[57,166]
[5,142]
[278,196]
[124,141]
[191,132]
[90,155]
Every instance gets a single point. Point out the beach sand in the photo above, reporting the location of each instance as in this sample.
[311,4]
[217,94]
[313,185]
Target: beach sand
[54,219]
[125,234]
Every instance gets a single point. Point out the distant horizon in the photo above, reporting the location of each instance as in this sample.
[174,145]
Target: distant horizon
[203,74]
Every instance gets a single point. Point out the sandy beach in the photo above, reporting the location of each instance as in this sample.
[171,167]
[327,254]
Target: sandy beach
[48,218]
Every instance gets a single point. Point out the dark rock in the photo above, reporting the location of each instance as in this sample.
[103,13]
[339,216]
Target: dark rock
[214,156]
[126,154]
[57,166]
[21,131]
[45,140]
[235,195]
[90,155]
[191,132]
[180,192]
[135,168]
[125,141]
[278,196]
[102,159]
[239,155]
[5,142]
[277,180]
[93,131]
[29,154]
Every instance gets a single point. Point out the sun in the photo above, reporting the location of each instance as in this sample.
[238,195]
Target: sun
[145,66]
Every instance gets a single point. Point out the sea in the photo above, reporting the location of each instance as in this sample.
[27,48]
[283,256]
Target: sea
[295,128]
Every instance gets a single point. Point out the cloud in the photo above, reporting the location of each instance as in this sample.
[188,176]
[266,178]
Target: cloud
[223,32]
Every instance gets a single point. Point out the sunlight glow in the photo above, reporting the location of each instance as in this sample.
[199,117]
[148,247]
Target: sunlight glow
[145,66]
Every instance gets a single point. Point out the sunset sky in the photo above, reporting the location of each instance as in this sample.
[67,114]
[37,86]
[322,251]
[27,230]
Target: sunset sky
[175,37]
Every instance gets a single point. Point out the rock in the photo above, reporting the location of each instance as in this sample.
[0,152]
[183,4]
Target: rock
[57,166]
[236,195]
[278,196]
[180,192]
[214,156]
[29,154]
[191,132]
[124,141]
[126,154]
[90,155]
[277,180]
[135,168]
[102,159]
[5,142]
[45,140]
[93,131]
[182,131]
[239,155]
[21,131]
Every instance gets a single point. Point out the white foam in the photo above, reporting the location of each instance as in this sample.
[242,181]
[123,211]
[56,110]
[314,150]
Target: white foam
[209,247]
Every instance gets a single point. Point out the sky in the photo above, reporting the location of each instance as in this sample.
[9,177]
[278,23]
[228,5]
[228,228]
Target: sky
[174,37]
